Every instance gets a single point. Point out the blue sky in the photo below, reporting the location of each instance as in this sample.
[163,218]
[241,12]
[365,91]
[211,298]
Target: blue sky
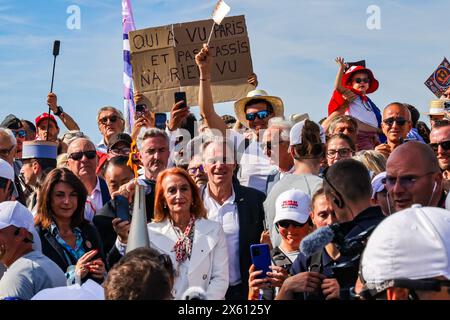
[293,44]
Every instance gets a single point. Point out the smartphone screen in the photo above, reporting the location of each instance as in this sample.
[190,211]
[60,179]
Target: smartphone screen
[160,120]
[260,254]
[141,109]
[181,96]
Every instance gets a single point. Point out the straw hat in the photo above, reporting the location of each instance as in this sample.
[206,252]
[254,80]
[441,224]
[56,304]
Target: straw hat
[438,107]
[275,102]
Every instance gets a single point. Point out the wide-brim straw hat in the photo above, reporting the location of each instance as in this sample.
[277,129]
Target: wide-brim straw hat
[275,102]
[437,107]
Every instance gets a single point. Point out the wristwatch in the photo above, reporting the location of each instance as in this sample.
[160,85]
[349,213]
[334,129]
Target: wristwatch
[60,110]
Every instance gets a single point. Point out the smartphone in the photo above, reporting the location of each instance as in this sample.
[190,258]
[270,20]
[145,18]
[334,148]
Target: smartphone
[260,254]
[160,120]
[181,96]
[122,208]
[141,110]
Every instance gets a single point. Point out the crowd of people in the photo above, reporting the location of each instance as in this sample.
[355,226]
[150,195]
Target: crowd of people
[351,207]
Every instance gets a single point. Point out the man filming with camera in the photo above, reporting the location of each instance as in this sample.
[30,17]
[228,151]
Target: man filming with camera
[348,187]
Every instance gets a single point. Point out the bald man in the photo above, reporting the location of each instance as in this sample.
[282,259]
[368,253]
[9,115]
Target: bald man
[395,125]
[413,176]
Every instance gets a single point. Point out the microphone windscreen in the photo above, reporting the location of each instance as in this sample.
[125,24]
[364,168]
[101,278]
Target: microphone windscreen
[56,45]
[316,241]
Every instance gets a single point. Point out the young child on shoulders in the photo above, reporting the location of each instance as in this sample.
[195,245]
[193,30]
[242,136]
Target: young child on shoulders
[360,81]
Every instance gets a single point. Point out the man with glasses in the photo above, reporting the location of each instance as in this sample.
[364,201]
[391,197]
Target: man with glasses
[82,161]
[197,171]
[275,143]
[406,257]
[9,143]
[306,147]
[440,143]
[395,125]
[413,176]
[109,121]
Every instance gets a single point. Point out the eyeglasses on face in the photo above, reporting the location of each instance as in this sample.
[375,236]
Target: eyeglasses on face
[91,154]
[20,133]
[444,145]
[343,152]
[194,170]
[260,114]
[124,150]
[286,223]
[363,80]
[111,119]
[390,121]
[406,182]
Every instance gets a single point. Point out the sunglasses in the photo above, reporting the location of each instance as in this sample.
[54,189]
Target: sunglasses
[444,145]
[20,133]
[406,182]
[399,121]
[111,119]
[260,114]
[343,152]
[91,154]
[286,223]
[363,80]
[194,170]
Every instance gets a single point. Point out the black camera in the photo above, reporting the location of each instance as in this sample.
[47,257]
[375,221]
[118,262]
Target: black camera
[346,272]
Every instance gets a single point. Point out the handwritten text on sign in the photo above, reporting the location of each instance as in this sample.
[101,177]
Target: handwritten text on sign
[163,60]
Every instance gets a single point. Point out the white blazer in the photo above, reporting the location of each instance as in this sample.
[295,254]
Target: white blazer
[208,266]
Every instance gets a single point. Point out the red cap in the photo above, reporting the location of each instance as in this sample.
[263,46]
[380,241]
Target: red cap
[44,116]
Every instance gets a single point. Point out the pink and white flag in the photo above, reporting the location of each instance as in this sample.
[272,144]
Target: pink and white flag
[220,11]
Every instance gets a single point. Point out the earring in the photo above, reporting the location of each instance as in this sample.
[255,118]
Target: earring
[165,205]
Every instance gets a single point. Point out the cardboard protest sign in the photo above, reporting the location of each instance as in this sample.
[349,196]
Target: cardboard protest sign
[439,81]
[163,61]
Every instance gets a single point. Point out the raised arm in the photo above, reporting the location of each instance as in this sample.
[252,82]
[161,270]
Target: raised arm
[338,81]
[69,123]
[205,99]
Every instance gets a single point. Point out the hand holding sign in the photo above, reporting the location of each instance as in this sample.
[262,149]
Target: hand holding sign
[203,61]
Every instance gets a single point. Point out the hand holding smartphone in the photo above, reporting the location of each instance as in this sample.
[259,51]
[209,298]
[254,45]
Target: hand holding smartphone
[260,254]
[181,96]
[141,110]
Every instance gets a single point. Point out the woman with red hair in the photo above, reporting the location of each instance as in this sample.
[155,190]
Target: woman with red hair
[195,244]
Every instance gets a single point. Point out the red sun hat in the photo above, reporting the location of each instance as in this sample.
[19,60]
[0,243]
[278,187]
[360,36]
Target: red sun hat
[45,116]
[373,85]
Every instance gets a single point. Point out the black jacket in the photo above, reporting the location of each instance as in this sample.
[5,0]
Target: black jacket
[53,250]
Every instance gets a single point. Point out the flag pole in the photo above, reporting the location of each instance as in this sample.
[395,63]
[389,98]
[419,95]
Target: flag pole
[210,34]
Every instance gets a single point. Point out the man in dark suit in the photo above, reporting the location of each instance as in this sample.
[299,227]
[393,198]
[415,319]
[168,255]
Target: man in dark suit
[239,209]
[82,161]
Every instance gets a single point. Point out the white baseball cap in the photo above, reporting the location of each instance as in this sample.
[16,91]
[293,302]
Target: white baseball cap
[378,183]
[13,213]
[6,170]
[295,135]
[292,205]
[413,243]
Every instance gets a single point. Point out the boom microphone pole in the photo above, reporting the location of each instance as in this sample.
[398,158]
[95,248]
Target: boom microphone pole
[56,45]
